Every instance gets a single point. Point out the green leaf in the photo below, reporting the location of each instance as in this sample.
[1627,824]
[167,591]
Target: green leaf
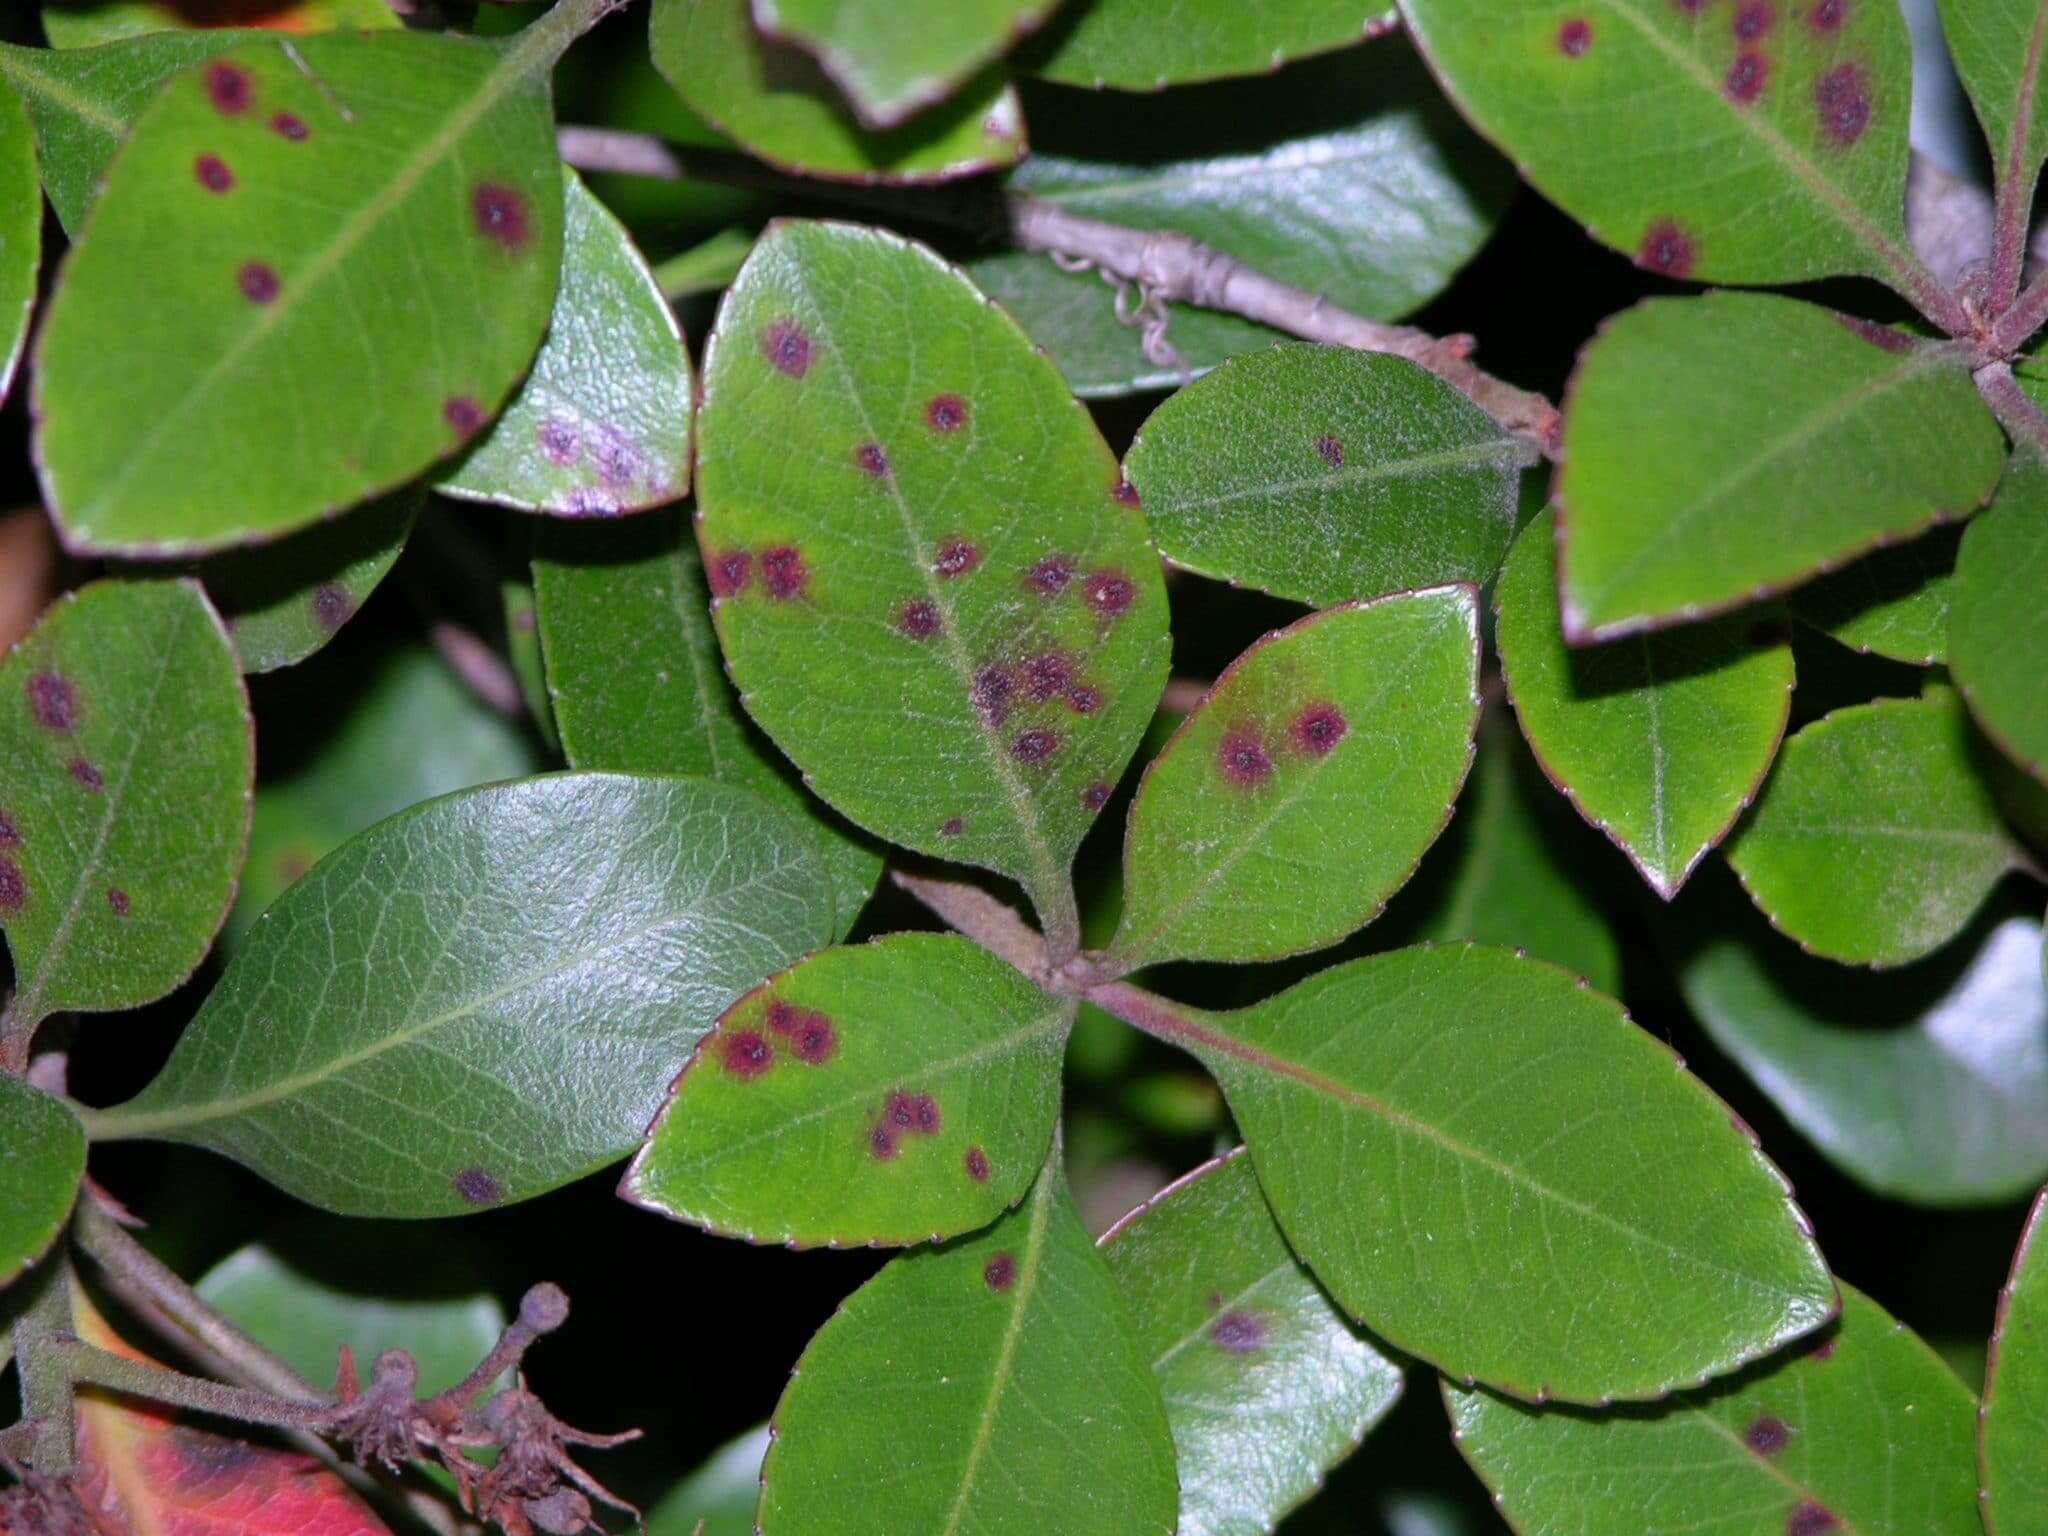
[1305,787]
[126,756]
[522,650]
[1997,47]
[1002,1391]
[1998,627]
[1324,474]
[42,1158]
[1876,838]
[1894,603]
[1867,1432]
[894,1092]
[1658,740]
[719,1498]
[218,434]
[779,105]
[1926,1084]
[487,994]
[602,423]
[893,59]
[87,23]
[705,267]
[930,592]
[638,686]
[1267,1385]
[1489,1165]
[2012,1426]
[1142,45]
[21,231]
[1697,148]
[1790,442]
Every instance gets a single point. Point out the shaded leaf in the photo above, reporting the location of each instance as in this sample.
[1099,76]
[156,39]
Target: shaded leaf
[42,1158]
[1002,1392]
[930,591]
[1876,839]
[1867,1431]
[21,231]
[87,23]
[1789,443]
[2012,1426]
[706,266]
[723,1493]
[1997,47]
[1658,740]
[602,423]
[1267,1385]
[1141,45]
[529,667]
[217,434]
[126,755]
[1893,603]
[1998,627]
[489,992]
[1304,788]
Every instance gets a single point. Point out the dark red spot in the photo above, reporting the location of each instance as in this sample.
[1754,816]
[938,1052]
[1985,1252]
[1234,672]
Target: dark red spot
[477,1187]
[1125,492]
[500,214]
[1237,1333]
[1809,1519]
[999,1272]
[782,572]
[212,173]
[871,459]
[783,1017]
[117,901]
[919,620]
[88,777]
[1095,796]
[1330,451]
[52,700]
[1047,676]
[1109,592]
[993,689]
[952,826]
[1574,38]
[330,602]
[287,126]
[977,1165]
[1666,249]
[1318,728]
[729,572]
[10,836]
[914,1114]
[946,413]
[1746,78]
[1828,15]
[1752,20]
[13,888]
[258,283]
[785,345]
[746,1054]
[881,1143]
[558,440]
[617,460]
[1242,760]
[229,88]
[1034,746]
[956,557]
[1083,699]
[1766,1435]
[1844,104]
[1049,577]
[814,1040]
[463,415]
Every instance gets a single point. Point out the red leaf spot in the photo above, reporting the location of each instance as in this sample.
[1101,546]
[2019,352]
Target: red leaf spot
[1125,492]
[1666,249]
[783,1017]
[463,415]
[1745,80]
[1318,728]
[814,1040]
[729,572]
[1049,577]
[88,777]
[558,440]
[476,1187]
[1109,592]
[10,836]
[1237,1333]
[1766,1435]
[1083,699]
[946,413]
[952,826]
[1047,676]
[1828,15]
[1035,746]
[1843,103]
[782,572]
[993,688]
[330,603]
[999,1272]
[956,557]
[977,1165]
[746,1054]
[117,901]
[1095,796]
[871,459]
[881,1144]
[258,283]
[229,88]
[1330,451]
[912,1114]
[1574,38]
[52,700]
[13,888]
[1242,760]
[212,173]
[919,620]
[1809,1519]
[1752,20]
[617,460]
[500,215]
[286,126]
[787,348]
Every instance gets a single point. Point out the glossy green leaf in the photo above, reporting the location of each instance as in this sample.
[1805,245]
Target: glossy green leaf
[2012,1426]
[1324,474]
[886,1093]
[1894,603]
[719,1498]
[1143,45]
[1998,626]
[775,100]
[488,994]
[1303,790]
[87,23]
[126,755]
[638,685]
[892,58]
[1748,145]
[1658,740]
[1927,1084]
[529,667]
[602,423]
[1002,1391]
[21,230]
[1487,1163]
[1866,1432]
[216,433]
[42,1158]
[1267,1385]
[1999,48]
[930,592]
[1789,443]
[1876,838]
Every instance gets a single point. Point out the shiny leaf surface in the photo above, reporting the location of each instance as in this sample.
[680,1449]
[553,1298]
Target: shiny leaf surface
[1144,45]
[892,58]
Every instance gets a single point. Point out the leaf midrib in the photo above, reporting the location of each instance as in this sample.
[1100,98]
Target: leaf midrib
[1504,453]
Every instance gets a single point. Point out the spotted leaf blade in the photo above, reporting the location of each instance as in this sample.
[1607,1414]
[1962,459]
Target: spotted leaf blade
[1307,785]
[126,759]
[1789,443]
[1267,1385]
[489,993]
[1866,1431]
[69,24]
[1003,1392]
[21,230]
[219,434]
[1658,740]
[1134,45]
[930,591]
[2000,49]
[2012,1426]
[1998,629]
[42,1158]
[1455,1138]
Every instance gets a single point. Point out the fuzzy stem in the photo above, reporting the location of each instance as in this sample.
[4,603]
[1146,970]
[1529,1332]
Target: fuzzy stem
[2017,324]
[982,918]
[45,1386]
[91,1366]
[2009,403]
[17,1035]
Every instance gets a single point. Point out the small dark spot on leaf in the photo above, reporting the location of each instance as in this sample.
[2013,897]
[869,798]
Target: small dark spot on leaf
[117,901]
[1035,746]
[977,1165]
[915,1114]
[287,126]
[617,460]
[782,572]
[952,826]
[257,281]
[477,1187]
[13,888]
[746,1054]
[1574,38]
[1753,19]
[1746,78]
[10,835]
[52,700]
[1049,577]
[999,1272]
[1095,796]
[871,459]
[1828,15]
[728,572]
[330,602]
[558,440]
[785,346]
[783,1017]
[1083,699]
[993,688]
[1330,451]
[212,173]
[945,413]
[1318,728]
[919,619]
[814,1040]
[1109,592]
[956,557]
[88,777]
[1666,249]
[500,215]
[1809,1519]
[228,87]
[881,1142]
[1237,1333]
[1125,492]
[1844,104]
[1242,760]
[1766,1435]
[463,415]
[1047,676]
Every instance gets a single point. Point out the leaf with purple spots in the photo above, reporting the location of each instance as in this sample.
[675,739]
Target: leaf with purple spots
[892,1092]
[1304,789]
[89,23]
[1140,45]
[602,424]
[1001,1390]
[1865,1433]
[42,1158]
[1267,1385]
[968,638]
[126,758]
[21,231]
[2012,1426]
[1998,625]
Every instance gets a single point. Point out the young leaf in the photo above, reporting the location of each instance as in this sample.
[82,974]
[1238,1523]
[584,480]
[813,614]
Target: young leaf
[1791,441]
[1998,629]
[602,423]
[2012,1424]
[1303,790]
[893,1092]
[1876,838]
[1658,740]
[719,1498]
[419,144]
[1267,1385]
[1763,144]
[42,1158]
[1866,1432]
[126,756]
[775,100]
[486,994]
[931,590]
[1002,1391]
[1998,48]
[21,230]
[1135,46]
[88,23]
[1489,1165]
[638,686]
[1324,474]
[1894,603]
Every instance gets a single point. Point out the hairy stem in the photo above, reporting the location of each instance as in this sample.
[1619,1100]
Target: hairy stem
[46,1415]
[982,918]
[91,1366]
[2016,325]
[17,1034]
[2009,403]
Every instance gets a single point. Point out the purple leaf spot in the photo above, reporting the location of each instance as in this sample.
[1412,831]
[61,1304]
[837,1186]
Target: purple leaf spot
[814,1040]
[1237,1333]
[782,572]
[212,173]
[783,1017]
[287,126]
[1666,249]
[475,1187]
[618,461]
[1242,760]
[1828,15]
[117,901]
[500,215]
[746,1054]
[1809,1519]
[999,1272]
[952,826]
[1745,80]
[258,283]
[1035,746]
[1766,1435]
[228,88]
[1825,1350]
[10,835]
[1084,699]
[919,620]
[331,606]
[87,776]
[787,348]
[1125,492]
[881,1143]
[993,688]
[52,700]
[13,888]
[977,1165]
[463,415]
[913,1114]
[871,459]
[1047,676]
[1095,796]
[729,572]
[558,440]
[945,413]
[1318,728]
[1752,20]
[1109,592]
[1574,38]
[1049,577]
[956,557]
[1844,104]
[1330,451]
